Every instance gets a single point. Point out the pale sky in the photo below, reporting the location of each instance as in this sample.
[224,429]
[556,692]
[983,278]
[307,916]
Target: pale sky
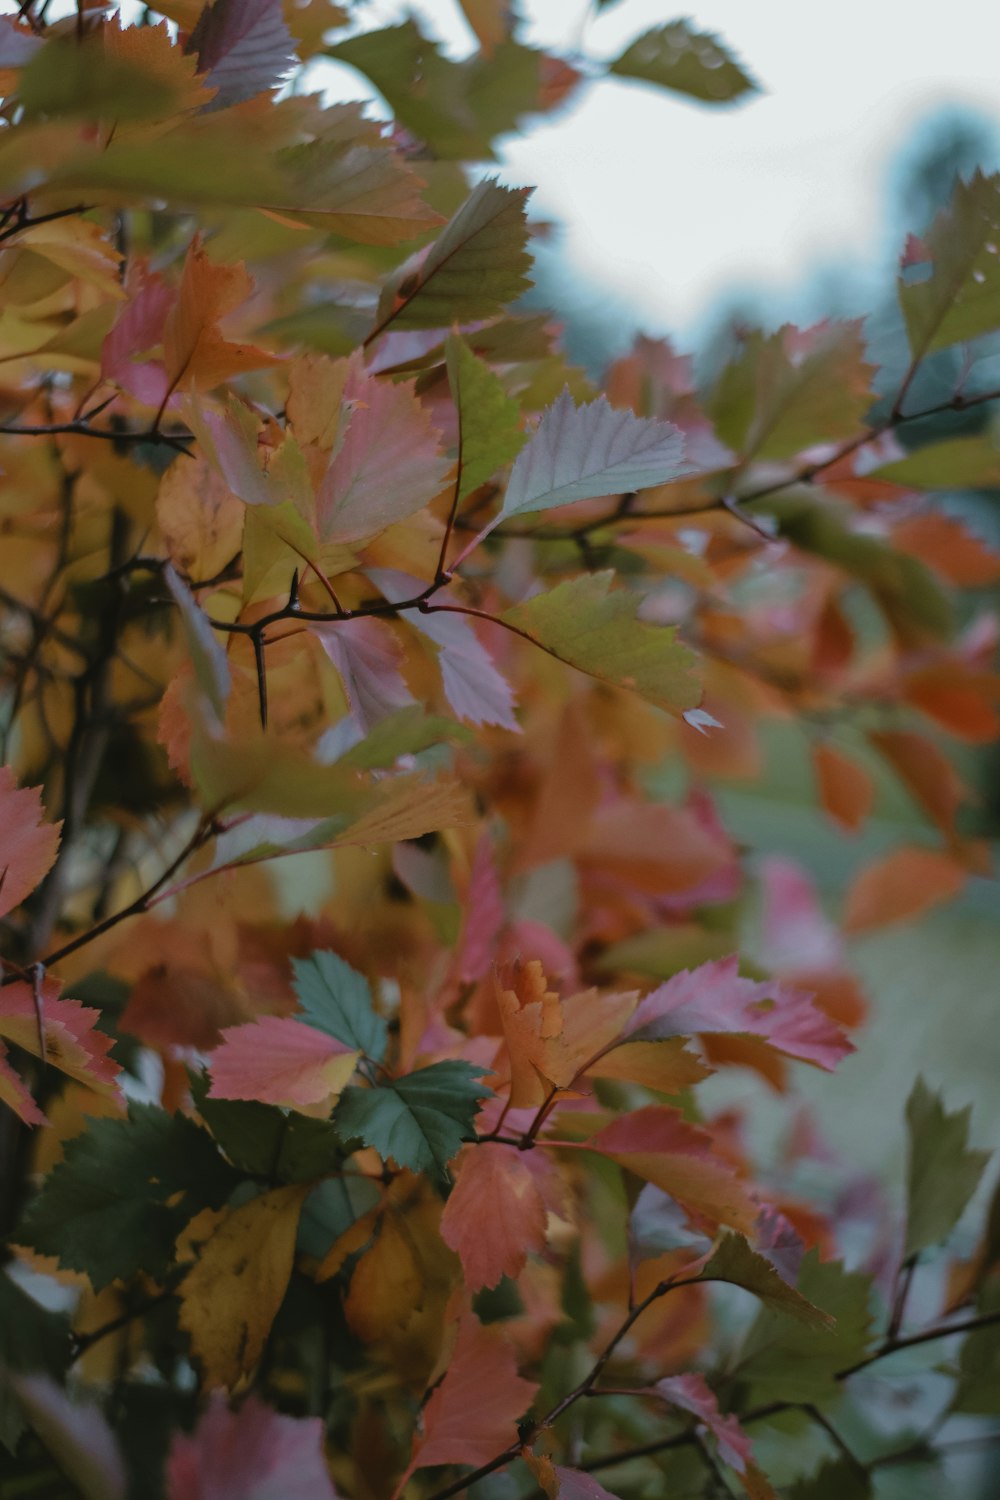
[673,204]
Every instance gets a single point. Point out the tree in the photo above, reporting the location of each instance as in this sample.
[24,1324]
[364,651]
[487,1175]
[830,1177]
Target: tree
[313,543]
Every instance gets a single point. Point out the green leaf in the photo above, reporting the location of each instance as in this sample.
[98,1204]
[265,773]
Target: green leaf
[406,732]
[734,1261]
[771,401]
[943,1172]
[264,1141]
[978,1391]
[584,452]
[475,267]
[960,299]
[965,463]
[902,587]
[594,628]
[689,62]
[72,77]
[420,1120]
[337,999]
[783,1360]
[838,1479]
[489,421]
[123,1192]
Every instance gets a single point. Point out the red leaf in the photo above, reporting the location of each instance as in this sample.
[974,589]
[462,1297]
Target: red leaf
[692,1393]
[471,1415]
[27,844]
[250,1454]
[279,1060]
[496,1212]
[71,1043]
[657,1143]
[715,999]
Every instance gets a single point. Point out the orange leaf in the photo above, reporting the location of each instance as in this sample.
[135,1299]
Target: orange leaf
[27,845]
[471,1416]
[944,544]
[495,1213]
[195,352]
[902,885]
[958,699]
[846,790]
[927,774]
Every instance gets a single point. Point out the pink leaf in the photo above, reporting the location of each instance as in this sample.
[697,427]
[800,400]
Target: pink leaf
[279,1060]
[250,1454]
[77,1435]
[27,844]
[244,47]
[691,1393]
[796,934]
[388,465]
[367,656]
[715,999]
[484,915]
[575,1485]
[138,328]
[495,1213]
[70,1041]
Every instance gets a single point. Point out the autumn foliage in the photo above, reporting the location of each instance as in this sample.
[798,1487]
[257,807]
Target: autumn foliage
[369,920]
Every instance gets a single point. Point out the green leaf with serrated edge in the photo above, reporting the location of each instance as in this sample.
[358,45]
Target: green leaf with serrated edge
[783,1360]
[838,1479]
[943,1172]
[686,61]
[211,665]
[489,421]
[404,733]
[902,587]
[336,999]
[264,1141]
[978,1391]
[960,298]
[123,1192]
[770,402]
[734,1261]
[74,77]
[477,264]
[965,463]
[420,1120]
[584,452]
[595,628]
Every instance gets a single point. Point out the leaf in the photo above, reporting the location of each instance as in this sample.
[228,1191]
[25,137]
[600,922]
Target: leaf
[279,1060]
[231,1295]
[585,452]
[692,1393]
[419,1120]
[659,1145]
[716,1000]
[836,1479]
[484,915]
[900,886]
[846,791]
[948,548]
[574,1484]
[962,463]
[960,298]
[77,1434]
[472,270]
[943,1172]
[490,20]
[471,1415]
[734,1261]
[350,182]
[27,844]
[195,353]
[686,61]
[336,999]
[250,1454]
[475,689]
[387,465]
[123,1192]
[489,421]
[495,1213]
[366,654]
[784,1360]
[264,1141]
[76,77]
[243,47]
[31,1339]
[925,771]
[596,629]
[665,1066]
[793,389]
[64,1032]
[211,665]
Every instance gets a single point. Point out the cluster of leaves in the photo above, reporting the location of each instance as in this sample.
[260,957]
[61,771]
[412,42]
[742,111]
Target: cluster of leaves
[339,557]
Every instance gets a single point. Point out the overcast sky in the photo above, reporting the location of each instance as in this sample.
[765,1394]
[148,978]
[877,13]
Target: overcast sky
[675,204]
